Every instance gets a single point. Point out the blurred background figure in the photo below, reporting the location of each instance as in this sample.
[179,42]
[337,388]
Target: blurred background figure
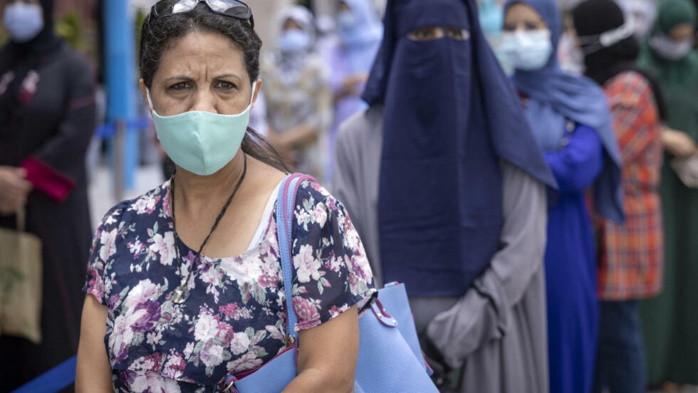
[359,32]
[446,186]
[670,321]
[327,39]
[571,122]
[568,53]
[491,16]
[47,117]
[296,87]
[631,255]
[641,14]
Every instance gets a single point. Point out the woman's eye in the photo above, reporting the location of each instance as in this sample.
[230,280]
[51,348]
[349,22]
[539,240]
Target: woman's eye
[226,85]
[180,86]
[509,27]
[457,34]
[426,34]
[531,26]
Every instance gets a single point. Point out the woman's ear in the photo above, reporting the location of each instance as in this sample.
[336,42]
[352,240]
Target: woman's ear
[144,92]
[255,93]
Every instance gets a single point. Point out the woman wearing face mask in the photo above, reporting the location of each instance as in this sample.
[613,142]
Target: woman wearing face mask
[669,321]
[360,32]
[631,255]
[46,121]
[570,119]
[447,187]
[184,284]
[297,92]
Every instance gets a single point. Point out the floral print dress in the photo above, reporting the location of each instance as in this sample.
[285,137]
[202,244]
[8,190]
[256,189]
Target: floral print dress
[234,319]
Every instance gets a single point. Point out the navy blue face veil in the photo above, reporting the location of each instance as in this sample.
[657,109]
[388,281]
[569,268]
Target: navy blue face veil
[450,114]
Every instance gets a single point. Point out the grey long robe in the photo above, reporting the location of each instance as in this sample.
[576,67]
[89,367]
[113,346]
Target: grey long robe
[497,330]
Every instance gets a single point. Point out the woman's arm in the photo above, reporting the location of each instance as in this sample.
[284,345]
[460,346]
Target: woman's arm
[321,118]
[296,138]
[66,150]
[327,356]
[635,117]
[93,370]
[577,165]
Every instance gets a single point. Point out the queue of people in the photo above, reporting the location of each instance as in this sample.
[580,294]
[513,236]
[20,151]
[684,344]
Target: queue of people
[603,136]
[542,220]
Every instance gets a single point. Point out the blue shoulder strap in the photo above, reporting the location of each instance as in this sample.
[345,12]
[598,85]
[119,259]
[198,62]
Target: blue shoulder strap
[284,222]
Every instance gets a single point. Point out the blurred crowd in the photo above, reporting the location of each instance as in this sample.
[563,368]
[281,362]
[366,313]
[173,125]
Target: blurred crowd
[529,169]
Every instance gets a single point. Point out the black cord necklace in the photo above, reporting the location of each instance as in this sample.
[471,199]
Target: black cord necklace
[181,293]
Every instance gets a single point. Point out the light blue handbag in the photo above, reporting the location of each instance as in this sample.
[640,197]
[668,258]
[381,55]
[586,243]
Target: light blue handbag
[390,359]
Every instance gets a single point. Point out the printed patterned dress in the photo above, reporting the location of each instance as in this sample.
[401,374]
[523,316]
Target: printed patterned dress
[234,320]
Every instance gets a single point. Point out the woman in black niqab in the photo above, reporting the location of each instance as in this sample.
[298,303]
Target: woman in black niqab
[47,117]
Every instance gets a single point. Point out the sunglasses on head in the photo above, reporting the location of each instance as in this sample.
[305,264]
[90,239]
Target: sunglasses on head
[232,8]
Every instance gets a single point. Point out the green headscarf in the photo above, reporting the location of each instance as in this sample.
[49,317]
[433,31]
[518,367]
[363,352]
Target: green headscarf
[672,13]
[678,79]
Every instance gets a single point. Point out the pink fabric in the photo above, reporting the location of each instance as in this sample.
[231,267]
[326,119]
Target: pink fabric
[48,180]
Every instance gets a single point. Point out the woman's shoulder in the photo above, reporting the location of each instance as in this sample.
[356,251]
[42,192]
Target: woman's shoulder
[629,88]
[311,193]
[630,79]
[315,205]
[152,203]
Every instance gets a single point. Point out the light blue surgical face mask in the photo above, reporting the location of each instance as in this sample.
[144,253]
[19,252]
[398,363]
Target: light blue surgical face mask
[293,41]
[527,50]
[23,21]
[491,17]
[202,142]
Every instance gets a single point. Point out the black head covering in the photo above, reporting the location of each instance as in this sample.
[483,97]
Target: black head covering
[43,42]
[21,58]
[595,17]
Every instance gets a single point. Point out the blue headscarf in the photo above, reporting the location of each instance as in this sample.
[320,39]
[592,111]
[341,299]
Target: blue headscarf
[556,97]
[360,42]
[450,115]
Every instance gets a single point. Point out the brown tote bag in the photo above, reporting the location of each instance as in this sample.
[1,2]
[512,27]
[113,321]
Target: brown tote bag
[20,282]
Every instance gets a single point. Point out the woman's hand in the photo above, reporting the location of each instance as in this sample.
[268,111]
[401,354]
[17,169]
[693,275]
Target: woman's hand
[351,86]
[678,143]
[93,370]
[14,189]
[327,356]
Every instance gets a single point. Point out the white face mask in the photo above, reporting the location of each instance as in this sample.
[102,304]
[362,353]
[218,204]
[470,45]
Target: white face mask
[527,50]
[23,21]
[293,41]
[670,49]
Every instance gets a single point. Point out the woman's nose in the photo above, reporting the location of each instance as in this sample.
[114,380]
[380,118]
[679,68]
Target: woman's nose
[204,101]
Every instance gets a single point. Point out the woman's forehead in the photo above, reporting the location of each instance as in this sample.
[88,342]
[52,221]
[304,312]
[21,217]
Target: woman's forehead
[205,52]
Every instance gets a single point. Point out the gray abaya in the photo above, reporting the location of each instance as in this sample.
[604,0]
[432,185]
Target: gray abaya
[497,331]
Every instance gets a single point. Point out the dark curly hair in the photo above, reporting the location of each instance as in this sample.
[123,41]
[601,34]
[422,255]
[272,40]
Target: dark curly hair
[158,33]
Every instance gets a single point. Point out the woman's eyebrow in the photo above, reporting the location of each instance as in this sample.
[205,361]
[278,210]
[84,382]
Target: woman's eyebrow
[178,77]
[234,76]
